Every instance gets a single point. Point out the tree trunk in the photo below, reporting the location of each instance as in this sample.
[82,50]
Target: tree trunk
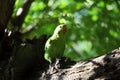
[101,68]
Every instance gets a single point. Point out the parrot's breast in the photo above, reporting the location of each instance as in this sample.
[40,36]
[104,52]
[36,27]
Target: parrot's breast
[55,48]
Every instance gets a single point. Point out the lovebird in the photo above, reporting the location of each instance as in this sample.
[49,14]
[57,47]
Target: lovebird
[55,45]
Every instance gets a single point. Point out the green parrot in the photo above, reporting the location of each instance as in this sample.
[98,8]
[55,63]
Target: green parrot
[55,45]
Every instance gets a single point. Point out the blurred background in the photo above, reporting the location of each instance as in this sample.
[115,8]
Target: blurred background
[93,25]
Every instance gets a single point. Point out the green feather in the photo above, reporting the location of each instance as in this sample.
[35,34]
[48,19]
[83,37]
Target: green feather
[55,45]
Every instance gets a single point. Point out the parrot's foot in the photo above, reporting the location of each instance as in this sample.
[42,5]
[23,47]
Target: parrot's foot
[60,63]
[55,67]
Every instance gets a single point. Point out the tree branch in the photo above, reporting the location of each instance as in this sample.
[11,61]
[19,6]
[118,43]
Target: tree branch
[19,19]
[103,67]
[6,9]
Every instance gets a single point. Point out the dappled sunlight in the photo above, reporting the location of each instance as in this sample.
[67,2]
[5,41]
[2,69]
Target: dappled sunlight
[93,26]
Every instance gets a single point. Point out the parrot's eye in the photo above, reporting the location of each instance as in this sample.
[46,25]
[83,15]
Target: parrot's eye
[60,26]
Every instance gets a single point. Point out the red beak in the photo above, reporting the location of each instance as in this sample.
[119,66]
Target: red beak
[65,29]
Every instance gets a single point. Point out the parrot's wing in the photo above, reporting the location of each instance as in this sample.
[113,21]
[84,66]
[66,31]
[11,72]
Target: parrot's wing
[49,41]
[47,47]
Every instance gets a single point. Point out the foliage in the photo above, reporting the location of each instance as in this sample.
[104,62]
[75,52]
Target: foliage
[94,25]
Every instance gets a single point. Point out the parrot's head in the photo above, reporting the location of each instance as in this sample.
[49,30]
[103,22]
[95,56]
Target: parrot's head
[61,29]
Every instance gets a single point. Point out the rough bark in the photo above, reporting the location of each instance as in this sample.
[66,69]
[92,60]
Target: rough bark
[9,42]
[6,10]
[105,67]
